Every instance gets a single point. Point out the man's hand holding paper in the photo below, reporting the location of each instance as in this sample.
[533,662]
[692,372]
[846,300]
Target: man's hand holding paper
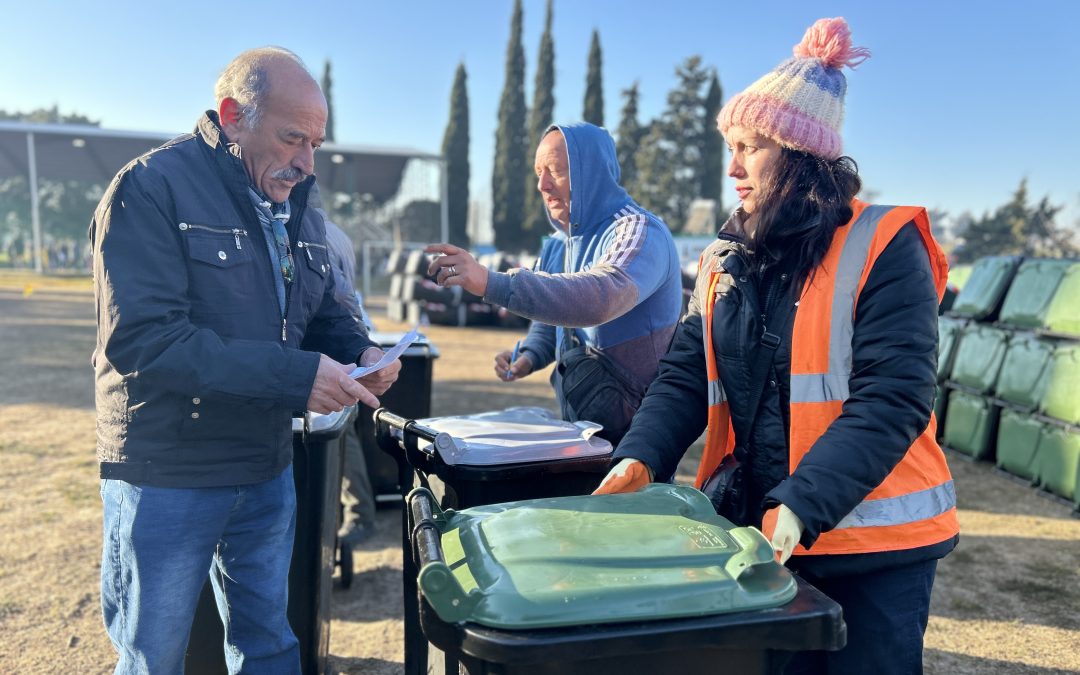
[378,381]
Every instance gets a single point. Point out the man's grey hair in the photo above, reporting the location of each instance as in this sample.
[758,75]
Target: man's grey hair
[245,79]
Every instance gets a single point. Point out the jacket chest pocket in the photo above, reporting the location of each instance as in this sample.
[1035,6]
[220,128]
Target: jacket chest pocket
[221,264]
[315,256]
[315,259]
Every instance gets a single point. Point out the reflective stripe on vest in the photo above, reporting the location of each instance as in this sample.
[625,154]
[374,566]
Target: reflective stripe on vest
[833,385]
[907,508]
[716,393]
[719,438]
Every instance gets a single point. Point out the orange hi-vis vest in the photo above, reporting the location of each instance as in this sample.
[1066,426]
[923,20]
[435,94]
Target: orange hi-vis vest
[915,505]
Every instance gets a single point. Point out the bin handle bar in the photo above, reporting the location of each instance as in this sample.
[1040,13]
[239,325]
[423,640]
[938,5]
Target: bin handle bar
[436,580]
[426,460]
[405,425]
[425,531]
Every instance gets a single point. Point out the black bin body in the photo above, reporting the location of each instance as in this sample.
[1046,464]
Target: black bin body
[756,641]
[317,457]
[460,487]
[409,397]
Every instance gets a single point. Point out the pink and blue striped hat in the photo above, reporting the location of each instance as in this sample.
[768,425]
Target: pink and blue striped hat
[800,104]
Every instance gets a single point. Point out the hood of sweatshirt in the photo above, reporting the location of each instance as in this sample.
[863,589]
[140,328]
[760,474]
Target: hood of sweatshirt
[595,194]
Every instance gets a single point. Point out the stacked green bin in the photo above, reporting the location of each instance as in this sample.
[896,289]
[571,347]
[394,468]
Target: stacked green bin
[978,358]
[1061,399]
[972,425]
[984,291]
[1059,462]
[1063,314]
[1024,371]
[958,275]
[949,331]
[1018,444]
[1032,293]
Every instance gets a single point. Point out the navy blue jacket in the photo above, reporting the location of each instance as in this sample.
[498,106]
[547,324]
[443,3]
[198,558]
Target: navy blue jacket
[197,371]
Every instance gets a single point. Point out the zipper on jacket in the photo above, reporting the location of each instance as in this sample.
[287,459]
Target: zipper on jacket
[285,314]
[307,246]
[234,231]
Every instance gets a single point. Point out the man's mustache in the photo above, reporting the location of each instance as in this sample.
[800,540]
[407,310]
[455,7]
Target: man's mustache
[291,174]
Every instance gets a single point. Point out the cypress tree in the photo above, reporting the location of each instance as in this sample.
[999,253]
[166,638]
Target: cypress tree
[712,159]
[507,180]
[327,84]
[536,221]
[669,161]
[594,84]
[628,137]
[455,150]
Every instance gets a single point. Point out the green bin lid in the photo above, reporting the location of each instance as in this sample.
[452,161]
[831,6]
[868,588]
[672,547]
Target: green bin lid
[658,553]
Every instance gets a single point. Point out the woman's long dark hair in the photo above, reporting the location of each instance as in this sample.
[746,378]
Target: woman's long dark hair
[805,198]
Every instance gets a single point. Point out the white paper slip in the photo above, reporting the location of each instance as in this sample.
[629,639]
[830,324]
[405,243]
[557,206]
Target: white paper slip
[389,356]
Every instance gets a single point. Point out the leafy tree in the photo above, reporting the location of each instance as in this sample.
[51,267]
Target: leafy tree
[455,149]
[507,180]
[419,220]
[712,159]
[670,159]
[1016,228]
[628,137]
[594,84]
[540,117]
[64,205]
[655,173]
[327,85]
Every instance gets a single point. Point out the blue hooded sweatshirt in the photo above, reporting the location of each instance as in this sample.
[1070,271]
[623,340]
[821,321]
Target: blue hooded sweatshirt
[614,277]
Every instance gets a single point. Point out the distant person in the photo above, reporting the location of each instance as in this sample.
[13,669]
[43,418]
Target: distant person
[357,495]
[217,319]
[808,356]
[607,278]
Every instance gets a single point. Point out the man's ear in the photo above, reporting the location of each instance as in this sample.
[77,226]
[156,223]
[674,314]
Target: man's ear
[231,115]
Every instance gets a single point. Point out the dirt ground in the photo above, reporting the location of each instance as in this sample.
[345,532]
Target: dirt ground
[1006,601]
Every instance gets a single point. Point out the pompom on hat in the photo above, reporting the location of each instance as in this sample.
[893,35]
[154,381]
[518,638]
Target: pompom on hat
[800,104]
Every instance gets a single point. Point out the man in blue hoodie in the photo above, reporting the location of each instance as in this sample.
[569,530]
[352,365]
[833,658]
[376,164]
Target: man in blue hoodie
[610,273]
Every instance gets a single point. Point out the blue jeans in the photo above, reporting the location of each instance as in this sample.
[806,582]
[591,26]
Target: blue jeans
[158,546]
[886,614]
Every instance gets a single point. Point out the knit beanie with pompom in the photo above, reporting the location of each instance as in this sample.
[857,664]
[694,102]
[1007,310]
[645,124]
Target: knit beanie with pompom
[800,104]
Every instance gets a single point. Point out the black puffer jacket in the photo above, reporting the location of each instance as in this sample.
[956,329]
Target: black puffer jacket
[197,373]
[891,394]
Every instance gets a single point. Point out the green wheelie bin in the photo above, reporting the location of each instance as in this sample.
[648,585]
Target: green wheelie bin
[646,582]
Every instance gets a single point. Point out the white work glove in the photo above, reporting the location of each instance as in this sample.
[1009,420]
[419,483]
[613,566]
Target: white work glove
[786,536]
[629,475]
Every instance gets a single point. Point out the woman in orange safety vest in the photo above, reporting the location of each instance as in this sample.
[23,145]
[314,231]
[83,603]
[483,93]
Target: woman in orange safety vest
[809,356]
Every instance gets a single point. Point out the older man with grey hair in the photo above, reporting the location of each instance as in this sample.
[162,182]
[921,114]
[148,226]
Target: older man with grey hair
[211,332]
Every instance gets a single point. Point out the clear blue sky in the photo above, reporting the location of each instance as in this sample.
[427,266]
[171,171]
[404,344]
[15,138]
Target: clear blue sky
[959,101]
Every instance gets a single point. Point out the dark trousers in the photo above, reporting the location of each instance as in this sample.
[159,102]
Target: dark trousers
[885,613]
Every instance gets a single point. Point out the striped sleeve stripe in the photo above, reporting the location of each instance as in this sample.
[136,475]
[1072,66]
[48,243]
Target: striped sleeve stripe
[629,237]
